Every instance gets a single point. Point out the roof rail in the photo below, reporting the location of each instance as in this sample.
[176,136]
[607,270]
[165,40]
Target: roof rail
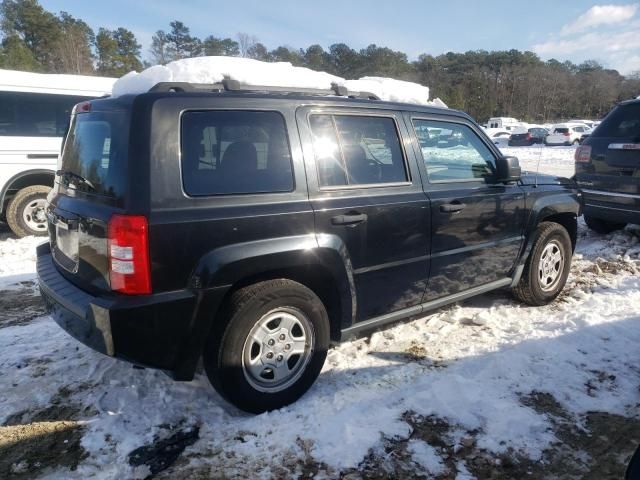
[229,85]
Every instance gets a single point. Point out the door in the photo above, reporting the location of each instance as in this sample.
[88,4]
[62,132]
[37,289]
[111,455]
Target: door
[476,224]
[365,189]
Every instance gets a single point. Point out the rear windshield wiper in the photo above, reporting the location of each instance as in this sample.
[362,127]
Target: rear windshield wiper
[75,176]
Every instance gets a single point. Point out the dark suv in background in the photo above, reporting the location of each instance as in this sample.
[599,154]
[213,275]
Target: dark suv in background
[608,170]
[251,228]
[530,137]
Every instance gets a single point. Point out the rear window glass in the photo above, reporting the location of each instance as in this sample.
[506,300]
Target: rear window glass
[96,150]
[622,122]
[561,130]
[235,152]
[35,114]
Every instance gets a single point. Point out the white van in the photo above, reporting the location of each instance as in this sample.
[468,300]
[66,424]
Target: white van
[505,123]
[34,114]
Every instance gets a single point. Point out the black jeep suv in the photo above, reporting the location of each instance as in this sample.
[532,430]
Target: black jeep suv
[608,170]
[252,228]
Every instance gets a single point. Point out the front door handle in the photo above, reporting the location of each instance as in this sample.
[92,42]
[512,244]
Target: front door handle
[452,207]
[349,219]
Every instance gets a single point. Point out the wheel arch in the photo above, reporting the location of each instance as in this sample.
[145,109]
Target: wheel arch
[321,263]
[24,179]
[563,208]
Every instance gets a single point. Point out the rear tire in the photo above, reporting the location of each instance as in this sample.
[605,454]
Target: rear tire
[26,211]
[270,346]
[547,267]
[602,226]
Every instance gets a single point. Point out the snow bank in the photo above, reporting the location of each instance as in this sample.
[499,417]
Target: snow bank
[255,72]
[215,69]
[390,89]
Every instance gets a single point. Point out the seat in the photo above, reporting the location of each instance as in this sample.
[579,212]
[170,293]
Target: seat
[240,159]
[361,171]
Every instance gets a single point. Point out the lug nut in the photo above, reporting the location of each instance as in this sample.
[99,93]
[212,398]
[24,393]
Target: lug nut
[271,342]
[269,355]
[279,358]
[282,337]
[287,346]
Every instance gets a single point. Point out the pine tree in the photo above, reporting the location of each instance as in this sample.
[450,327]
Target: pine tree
[118,52]
[39,30]
[220,46]
[15,55]
[184,45]
[178,43]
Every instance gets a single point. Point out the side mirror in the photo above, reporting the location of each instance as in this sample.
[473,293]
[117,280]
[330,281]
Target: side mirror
[508,169]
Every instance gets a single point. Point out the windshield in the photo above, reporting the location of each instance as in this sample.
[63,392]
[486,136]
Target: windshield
[96,150]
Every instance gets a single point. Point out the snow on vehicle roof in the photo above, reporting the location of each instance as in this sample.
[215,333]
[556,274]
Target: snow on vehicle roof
[16,81]
[248,71]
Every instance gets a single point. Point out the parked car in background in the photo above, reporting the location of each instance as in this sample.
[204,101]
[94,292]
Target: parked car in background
[528,137]
[248,230]
[588,123]
[608,170]
[566,134]
[34,114]
[498,136]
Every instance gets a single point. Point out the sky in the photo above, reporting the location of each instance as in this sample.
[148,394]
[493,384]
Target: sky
[573,30]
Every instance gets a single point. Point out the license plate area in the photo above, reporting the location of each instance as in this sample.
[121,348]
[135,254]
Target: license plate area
[65,243]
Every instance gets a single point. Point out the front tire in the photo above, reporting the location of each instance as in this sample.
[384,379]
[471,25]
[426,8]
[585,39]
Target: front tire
[602,226]
[271,347]
[547,267]
[26,212]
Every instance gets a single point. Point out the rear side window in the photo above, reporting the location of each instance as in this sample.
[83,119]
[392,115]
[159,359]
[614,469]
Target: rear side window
[357,150]
[35,114]
[622,122]
[235,152]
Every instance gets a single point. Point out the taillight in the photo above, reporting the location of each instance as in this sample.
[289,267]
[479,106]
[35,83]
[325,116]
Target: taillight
[528,136]
[129,268]
[583,154]
[81,107]
[567,134]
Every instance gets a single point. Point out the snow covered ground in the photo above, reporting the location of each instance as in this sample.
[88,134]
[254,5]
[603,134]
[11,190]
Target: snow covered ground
[550,160]
[485,387]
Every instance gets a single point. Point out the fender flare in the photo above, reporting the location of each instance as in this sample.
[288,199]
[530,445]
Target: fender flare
[220,269]
[226,266]
[544,207]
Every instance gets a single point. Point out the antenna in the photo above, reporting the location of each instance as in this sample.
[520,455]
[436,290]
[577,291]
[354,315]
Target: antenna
[538,166]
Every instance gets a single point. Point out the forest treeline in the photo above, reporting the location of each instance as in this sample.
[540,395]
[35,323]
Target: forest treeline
[497,83]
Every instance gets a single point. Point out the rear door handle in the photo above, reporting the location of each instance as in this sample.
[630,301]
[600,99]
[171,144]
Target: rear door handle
[349,219]
[452,207]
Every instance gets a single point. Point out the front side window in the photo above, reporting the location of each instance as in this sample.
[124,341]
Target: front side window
[357,150]
[454,152]
[235,152]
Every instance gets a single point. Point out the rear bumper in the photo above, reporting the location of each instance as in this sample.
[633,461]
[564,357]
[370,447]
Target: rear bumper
[161,331]
[612,206]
